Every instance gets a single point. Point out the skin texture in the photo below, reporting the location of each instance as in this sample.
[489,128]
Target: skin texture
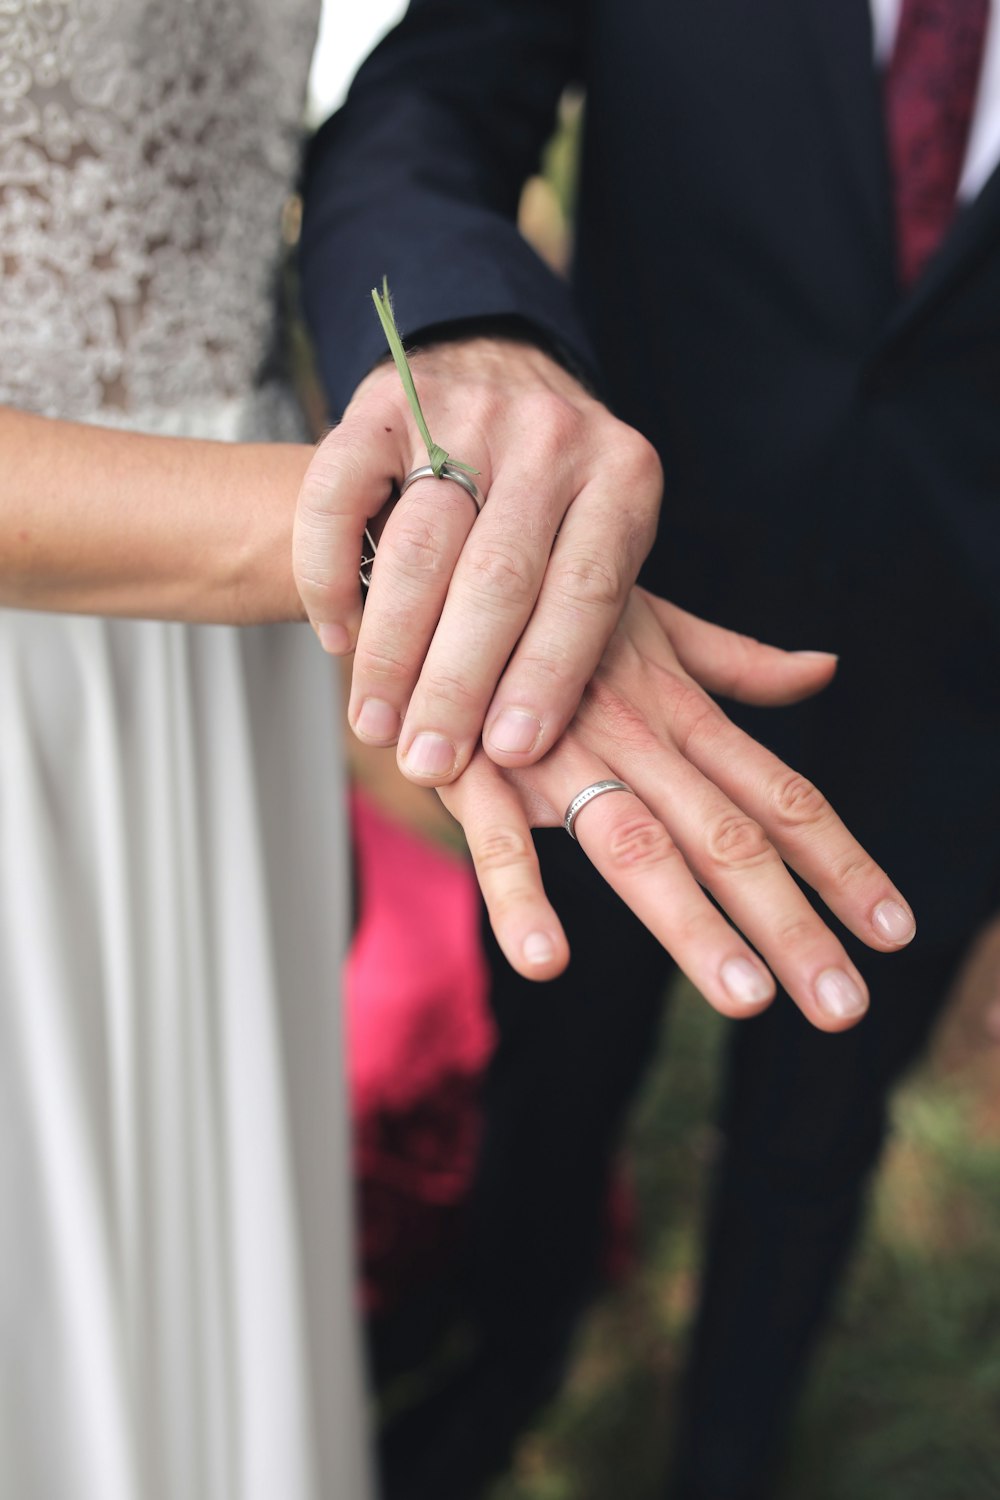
[709,808]
[477,623]
[466,623]
[96,521]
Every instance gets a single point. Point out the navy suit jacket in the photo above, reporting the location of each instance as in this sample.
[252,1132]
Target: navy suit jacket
[831,446]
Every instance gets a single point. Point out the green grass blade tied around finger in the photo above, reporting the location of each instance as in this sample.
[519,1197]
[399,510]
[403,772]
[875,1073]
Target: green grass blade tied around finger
[437,455]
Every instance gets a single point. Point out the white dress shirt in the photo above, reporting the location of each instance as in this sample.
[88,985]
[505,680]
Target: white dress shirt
[983,151]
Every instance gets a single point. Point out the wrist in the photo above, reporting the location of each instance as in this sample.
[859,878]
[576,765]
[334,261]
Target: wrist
[252,563]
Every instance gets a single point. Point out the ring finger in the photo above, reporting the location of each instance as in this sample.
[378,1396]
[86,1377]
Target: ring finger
[417,552]
[637,856]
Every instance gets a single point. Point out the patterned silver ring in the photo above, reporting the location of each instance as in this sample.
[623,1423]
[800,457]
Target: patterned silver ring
[448,471]
[596,789]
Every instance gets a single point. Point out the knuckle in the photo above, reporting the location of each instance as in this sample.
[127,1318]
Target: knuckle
[557,420]
[437,504]
[694,930]
[502,570]
[591,581]
[315,590]
[311,566]
[379,667]
[736,842]
[638,843]
[641,463]
[413,545]
[546,667]
[313,509]
[617,721]
[314,570]
[797,802]
[338,463]
[503,849]
[794,932]
[639,472]
[854,868]
[452,689]
[512,899]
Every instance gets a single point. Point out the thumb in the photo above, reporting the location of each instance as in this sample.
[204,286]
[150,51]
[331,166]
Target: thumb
[736,666]
[349,480]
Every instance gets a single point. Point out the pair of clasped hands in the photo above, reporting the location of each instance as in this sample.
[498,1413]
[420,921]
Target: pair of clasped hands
[513,662]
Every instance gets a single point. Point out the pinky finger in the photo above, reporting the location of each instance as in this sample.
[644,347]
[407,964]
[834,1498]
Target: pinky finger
[498,834]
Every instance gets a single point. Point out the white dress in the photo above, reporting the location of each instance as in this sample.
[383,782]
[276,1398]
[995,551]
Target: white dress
[175,1259]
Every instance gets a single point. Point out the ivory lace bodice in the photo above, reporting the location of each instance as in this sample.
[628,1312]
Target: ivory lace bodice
[147,148]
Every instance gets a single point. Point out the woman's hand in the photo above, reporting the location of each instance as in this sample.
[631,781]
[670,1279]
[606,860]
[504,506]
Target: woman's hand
[709,807]
[492,628]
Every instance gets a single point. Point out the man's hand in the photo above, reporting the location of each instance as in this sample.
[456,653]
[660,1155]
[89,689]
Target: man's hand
[709,807]
[496,621]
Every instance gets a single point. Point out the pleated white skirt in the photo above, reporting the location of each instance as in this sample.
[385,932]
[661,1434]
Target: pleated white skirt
[176,1266]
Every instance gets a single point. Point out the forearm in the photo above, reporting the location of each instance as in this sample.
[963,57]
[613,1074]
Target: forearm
[96,521]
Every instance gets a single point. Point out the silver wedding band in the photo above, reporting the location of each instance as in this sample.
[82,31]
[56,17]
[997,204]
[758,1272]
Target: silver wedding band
[448,471]
[596,789]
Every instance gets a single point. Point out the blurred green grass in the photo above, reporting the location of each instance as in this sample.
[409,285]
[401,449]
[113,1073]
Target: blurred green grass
[904,1401]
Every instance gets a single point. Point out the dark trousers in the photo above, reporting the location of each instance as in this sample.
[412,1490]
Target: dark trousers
[804,1119]
[569,1059]
[804,1123]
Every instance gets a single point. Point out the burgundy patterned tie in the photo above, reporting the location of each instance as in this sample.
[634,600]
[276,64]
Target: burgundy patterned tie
[930,91]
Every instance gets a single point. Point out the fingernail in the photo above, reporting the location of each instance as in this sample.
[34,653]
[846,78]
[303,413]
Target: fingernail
[894,921]
[744,982]
[838,995]
[430,755]
[334,638]
[817,655]
[538,948]
[515,731]
[378,720]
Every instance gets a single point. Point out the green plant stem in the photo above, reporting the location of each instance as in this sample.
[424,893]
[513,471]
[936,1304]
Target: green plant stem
[436,454]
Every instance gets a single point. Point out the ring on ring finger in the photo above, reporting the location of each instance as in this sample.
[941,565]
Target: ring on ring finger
[595,789]
[448,471]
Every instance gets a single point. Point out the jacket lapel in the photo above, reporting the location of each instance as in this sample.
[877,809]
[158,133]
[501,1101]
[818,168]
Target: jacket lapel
[842,49]
[975,233]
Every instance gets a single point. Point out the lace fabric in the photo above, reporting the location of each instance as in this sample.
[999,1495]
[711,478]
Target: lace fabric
[146,152]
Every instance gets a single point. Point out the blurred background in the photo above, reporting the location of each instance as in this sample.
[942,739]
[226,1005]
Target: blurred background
[905,1399]
[347,33]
